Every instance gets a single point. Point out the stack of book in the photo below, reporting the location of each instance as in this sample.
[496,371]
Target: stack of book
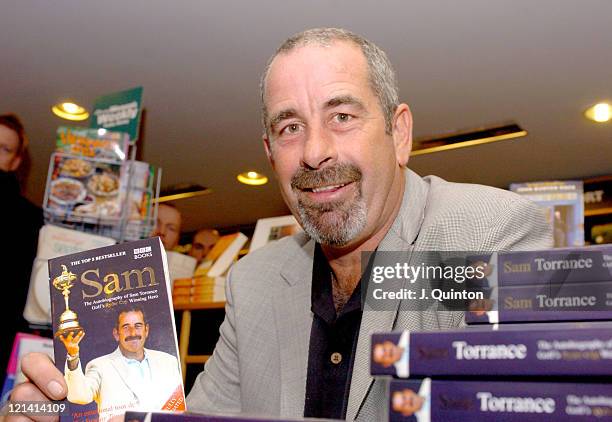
[200,289]
[208,284]
[550,358]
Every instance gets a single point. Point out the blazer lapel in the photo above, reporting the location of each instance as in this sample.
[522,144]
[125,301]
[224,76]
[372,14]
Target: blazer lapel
[293,322]
[120,365]
[400,237]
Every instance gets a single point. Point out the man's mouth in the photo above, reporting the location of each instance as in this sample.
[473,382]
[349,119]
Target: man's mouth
[328,188]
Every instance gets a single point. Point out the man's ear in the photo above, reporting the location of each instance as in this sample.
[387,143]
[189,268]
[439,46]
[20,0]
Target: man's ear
[268,148]
[15,162]
[402,133]
[116,334]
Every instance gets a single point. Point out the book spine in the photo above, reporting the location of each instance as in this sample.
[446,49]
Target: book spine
[555,266]
[550,302]
[442,400]
[581,349]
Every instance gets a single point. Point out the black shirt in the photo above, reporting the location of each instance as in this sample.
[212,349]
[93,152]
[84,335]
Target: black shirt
[333,341]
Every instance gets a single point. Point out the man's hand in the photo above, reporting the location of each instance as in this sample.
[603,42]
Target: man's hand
[72,343]
[45,383]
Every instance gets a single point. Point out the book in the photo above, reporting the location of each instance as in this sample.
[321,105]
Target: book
[548,302]
[131,416]
[224,253]
[92,143]
[115,338]
[549,266]
[199,289]
[563,206]
[180,265]
[543,349]
[23,343]
[274,228]
[431,400]
[54,241]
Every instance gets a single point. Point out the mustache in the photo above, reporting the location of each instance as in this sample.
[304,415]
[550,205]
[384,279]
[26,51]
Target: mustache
[130,338]
[338,174]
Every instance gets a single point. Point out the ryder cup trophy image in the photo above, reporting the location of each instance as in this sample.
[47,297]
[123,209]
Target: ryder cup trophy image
[68,323]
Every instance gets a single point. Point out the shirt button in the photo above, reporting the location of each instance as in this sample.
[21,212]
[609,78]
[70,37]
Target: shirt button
[336,358]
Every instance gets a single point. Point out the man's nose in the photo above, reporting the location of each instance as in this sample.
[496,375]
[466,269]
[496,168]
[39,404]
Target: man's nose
[319,148]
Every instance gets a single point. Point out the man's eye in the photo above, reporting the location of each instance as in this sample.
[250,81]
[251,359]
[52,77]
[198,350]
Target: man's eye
[343,117]
[292,128]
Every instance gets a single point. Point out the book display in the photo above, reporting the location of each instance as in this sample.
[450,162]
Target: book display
[115,337]
[92,186]
[539,347]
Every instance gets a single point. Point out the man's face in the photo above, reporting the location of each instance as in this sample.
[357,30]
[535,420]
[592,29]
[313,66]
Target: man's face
[9,148]
[327,143]
[131,332]
[202,243]
[168,226]
[407,402]
[387,353]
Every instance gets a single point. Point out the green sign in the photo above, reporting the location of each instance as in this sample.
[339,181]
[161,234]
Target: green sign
[119,112]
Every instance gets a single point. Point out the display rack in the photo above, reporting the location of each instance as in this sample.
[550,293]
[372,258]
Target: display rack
[119,225]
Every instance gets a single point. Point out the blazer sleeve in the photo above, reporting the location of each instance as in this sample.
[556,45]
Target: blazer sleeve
[217,387]
[82,388]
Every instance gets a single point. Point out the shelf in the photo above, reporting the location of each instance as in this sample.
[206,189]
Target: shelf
[198,305]
[600,211]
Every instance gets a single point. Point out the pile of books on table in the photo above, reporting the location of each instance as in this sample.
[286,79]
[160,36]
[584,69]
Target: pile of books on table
[539,347]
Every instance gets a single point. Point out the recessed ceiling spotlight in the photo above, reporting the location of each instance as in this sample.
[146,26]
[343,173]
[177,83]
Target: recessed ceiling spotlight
[600,113]
[70,111]
[252,178]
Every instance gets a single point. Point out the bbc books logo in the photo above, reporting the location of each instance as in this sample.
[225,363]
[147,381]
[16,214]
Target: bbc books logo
[142,252]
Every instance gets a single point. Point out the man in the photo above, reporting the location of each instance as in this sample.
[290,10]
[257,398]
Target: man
[203,242]
[295,340]
[21,221]
[129,377]
[168,225]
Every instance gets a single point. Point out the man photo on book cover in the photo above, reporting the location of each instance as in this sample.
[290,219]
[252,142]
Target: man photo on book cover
[388,353]
[131,376]
[413,406]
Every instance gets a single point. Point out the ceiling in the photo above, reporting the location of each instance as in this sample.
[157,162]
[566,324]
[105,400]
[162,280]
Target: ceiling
[461,65]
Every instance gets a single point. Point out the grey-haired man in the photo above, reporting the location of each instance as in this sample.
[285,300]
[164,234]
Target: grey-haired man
[296,337]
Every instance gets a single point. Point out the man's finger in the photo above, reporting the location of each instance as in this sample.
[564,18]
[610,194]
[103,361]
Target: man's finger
[28,392]
[39,368]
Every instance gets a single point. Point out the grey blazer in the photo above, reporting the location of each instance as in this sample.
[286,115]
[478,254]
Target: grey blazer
[259,365]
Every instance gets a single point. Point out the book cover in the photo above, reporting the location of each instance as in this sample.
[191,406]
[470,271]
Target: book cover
[91,143]
[23,343]
[549,266]
[84,187]
[115,338]
[547,302]
[563,206]
[54,241]
[434,400]
[224,253]
[194,417]
[273,228]
[542,349]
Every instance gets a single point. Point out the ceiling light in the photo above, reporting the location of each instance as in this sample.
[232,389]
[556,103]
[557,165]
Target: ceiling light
[70,111]
[600,113]
[252,178]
